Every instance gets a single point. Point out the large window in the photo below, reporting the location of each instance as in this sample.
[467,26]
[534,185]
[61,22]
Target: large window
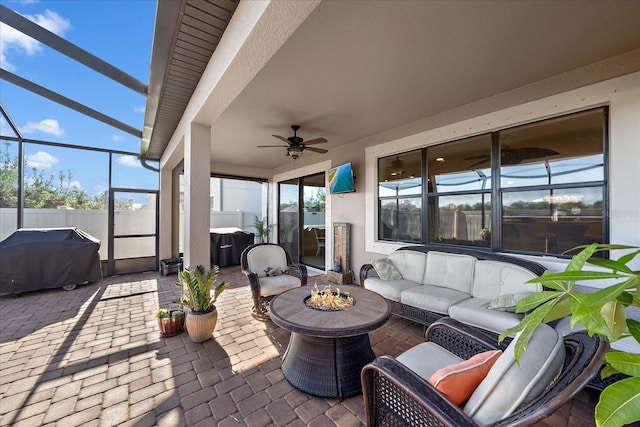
[536,188]
[400,192]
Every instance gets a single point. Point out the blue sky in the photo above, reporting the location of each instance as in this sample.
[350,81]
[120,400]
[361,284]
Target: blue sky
[118,31]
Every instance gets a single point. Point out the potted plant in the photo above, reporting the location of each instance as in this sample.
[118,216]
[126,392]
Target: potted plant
[170,322]
[262,229]
[603,312]
[201,316]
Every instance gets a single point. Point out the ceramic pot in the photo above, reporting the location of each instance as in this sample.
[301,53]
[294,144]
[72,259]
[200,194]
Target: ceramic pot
[171,326]
[200,326]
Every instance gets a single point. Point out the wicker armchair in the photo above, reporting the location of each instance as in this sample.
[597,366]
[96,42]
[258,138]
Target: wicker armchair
[257,261]
[396,396]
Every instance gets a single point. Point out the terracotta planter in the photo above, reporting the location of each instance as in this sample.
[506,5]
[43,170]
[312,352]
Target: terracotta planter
[171,326]
[200,326]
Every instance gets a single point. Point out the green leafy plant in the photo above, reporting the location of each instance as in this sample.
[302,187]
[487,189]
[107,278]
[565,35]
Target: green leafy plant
[196,287]
[262,229]
[165,313]
[603,312]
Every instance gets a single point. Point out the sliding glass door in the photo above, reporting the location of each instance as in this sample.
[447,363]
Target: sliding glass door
[301,219]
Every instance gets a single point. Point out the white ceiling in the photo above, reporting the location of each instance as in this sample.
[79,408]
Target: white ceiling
[355,69]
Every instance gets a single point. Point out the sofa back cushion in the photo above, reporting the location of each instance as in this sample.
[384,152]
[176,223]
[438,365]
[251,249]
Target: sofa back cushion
[494,278]
[452,271]
[510,385]
[410,264]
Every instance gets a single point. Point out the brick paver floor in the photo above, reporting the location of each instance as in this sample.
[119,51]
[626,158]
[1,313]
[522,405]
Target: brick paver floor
[93,357]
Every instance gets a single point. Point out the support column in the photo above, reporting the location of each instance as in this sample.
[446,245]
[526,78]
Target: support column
[165,214]
[197,172]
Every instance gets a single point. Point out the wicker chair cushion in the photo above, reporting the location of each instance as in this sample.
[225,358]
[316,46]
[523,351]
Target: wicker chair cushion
[509,385]
[263,258]
[390,289]
[277,284]
[494,278]
[453,271]
[386,269]
[426,358]
[457,382]
[432,298]
[476,312]
[410,264]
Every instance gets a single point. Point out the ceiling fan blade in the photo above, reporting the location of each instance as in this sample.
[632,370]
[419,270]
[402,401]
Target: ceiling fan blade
[482,156]
[281,138]
[315,141]
[278,146]
[478,163]
[317,150]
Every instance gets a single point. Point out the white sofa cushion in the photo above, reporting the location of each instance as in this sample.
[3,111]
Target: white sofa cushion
[432,298]
[494,278]
[476,312]
[452,271]
[390,289]
[510,385]
[410,264]
[426,358]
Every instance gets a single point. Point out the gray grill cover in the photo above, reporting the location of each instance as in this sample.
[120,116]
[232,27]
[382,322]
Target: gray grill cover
[43,258]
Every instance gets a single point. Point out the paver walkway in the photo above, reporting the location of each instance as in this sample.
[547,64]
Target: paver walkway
[93,357]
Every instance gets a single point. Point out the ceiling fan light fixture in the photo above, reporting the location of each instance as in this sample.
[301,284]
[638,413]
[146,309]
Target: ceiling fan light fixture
[294,151]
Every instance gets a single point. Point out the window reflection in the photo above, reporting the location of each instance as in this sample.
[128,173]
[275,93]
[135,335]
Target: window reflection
[460,166]
[552,221]
[462,219]
[401,219]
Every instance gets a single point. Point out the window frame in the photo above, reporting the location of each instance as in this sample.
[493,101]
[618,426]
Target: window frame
[496,191]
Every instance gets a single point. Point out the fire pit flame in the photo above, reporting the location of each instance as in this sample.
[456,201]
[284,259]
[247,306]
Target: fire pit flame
[328,300]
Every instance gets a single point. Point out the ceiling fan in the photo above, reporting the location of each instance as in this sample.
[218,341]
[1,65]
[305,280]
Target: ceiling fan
[514,156]
[297,145]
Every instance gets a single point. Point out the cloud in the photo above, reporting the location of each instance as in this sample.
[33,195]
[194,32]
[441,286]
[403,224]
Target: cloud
[139,109]
[76,184]
[129,161]
[41,160]
[13,39]
[50,126]
[116,138]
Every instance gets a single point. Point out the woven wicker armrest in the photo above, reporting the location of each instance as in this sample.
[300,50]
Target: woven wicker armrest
[367,270]
[461,339]
[396,396]
[300,271]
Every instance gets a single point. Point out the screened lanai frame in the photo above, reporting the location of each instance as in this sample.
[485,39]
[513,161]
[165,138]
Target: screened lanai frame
[107,219]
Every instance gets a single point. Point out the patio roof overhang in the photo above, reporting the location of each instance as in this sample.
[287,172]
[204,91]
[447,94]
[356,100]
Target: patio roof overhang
[351,70]
[187,33]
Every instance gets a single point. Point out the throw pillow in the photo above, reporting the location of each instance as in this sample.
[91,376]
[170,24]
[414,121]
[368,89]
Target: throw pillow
[275,272]
[507,302]
[385,269]
[458,382]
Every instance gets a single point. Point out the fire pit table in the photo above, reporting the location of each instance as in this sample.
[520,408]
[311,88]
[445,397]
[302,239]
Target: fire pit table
[328,349]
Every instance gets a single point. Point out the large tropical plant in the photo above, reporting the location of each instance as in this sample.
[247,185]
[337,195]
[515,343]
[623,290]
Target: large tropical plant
[603,312]
[196,287]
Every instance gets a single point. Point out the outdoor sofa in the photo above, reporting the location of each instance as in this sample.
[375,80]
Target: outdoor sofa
[428,282]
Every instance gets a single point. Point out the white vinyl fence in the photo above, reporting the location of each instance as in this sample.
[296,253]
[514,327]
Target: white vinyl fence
[95,223]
